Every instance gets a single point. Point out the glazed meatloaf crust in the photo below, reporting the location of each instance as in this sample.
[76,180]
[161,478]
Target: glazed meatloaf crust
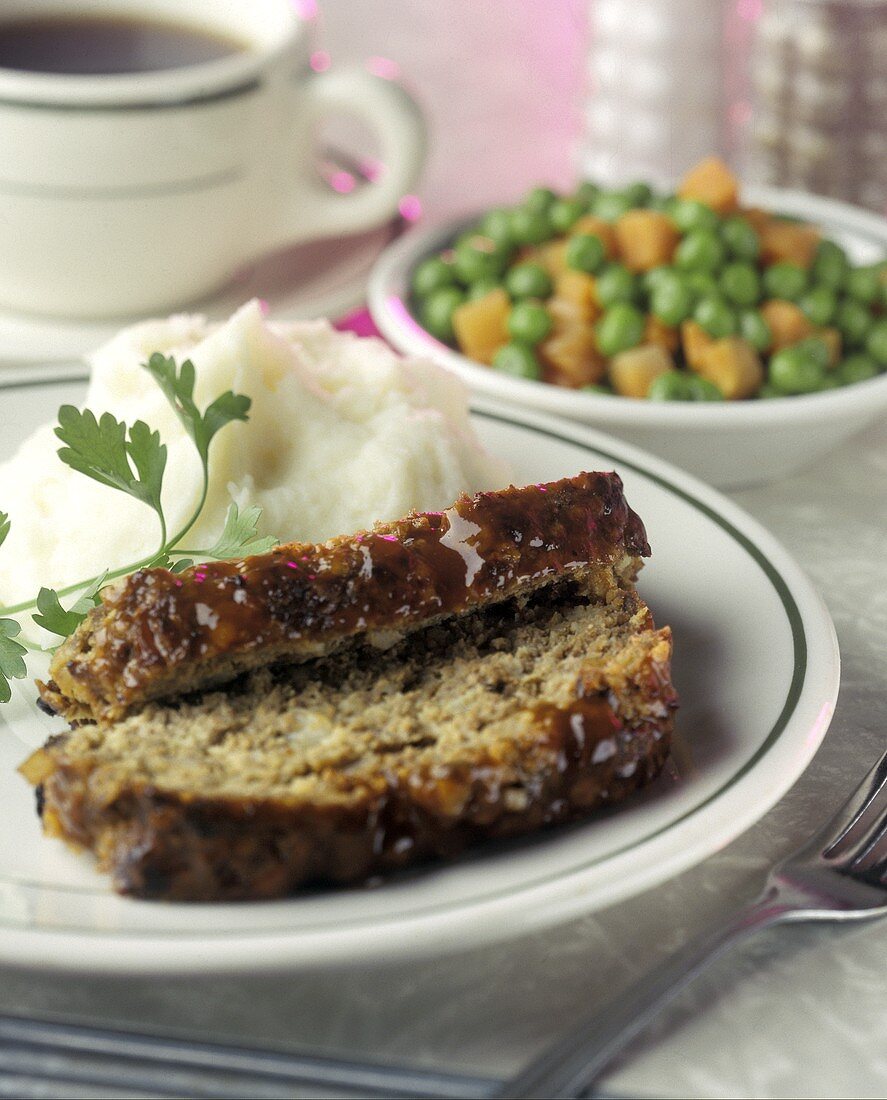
[393,696]
[157,634]
[519,715]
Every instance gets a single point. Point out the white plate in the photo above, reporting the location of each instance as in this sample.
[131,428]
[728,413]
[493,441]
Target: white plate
[725,443]
[757,669]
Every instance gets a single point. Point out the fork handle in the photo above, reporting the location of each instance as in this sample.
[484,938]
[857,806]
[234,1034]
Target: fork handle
[575,1061]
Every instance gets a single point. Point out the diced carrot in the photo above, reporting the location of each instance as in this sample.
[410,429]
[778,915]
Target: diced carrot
[553,257]
[694,340]
[831,337]
[657,332]
[580,289]
[711,182]
[793,242]
[632,372]
[788,323]
[565,314]
[734,366]
[646,239]
[480,325]
[571,358]
[756,218]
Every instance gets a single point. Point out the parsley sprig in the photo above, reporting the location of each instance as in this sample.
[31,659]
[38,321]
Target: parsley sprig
[132,460]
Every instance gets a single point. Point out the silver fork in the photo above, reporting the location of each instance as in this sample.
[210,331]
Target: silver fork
[841,874]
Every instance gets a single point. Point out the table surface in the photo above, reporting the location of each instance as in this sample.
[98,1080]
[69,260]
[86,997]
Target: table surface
[797,1011]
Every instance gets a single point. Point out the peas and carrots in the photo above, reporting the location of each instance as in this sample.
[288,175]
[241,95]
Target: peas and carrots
[685,297]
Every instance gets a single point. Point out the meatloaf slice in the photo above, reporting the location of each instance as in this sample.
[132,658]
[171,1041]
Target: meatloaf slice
[513,716]
[156,634]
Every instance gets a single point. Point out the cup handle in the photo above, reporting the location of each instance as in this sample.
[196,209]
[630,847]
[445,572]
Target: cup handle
[393,114]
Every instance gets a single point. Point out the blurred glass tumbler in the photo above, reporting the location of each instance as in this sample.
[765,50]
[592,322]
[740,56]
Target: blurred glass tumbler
[656,89]
[141,192]
[793,92]
[818,98]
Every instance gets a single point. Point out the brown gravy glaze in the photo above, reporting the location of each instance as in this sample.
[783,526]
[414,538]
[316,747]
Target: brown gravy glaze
[301,600]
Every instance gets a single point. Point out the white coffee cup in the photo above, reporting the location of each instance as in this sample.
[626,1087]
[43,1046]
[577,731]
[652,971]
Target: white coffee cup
[142,192]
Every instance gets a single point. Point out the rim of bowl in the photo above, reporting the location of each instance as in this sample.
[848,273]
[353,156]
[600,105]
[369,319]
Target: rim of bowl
[387,299]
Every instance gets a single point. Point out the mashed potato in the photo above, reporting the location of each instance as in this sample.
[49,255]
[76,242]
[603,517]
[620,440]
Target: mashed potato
[342,432]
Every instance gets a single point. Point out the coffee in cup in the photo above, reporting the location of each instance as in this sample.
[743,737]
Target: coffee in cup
[151,149]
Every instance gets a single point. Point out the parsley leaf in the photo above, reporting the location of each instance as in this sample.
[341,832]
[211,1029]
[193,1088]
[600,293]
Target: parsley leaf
[149,458]
[54,618]
[240,537]
[100,449]
[12,658]
[178,386]
[164,561]
[132,459]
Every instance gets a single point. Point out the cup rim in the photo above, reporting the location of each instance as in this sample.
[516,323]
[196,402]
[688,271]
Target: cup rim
[200,82]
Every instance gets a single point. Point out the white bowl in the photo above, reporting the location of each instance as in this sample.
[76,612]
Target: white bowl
[726,444]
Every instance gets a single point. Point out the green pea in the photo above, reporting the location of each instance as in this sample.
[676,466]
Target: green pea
[497,226]
[700,250]
[530,226]
[768,391]
[529,322]
[829,382]
[478,257]
[702,284]
[540,198]
[716,317]
[740,239]
[853,321]
[672,385]
[700,389]
[528,280]
[785,280]
[519,361]
[431,275]
[830,266]
[610,205]
[597,387]
[662,203]
[876,342]
[754,328]
[671,300]
[651,279]
[564,213]
[616,284]
[688,214]
[819,304]
[741,283]
[438,309]
[796,369]
[586,193]
[863,284]
[856,368]
[638,194]
[816,348]
[482,288]
[585,252]
[620,328]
